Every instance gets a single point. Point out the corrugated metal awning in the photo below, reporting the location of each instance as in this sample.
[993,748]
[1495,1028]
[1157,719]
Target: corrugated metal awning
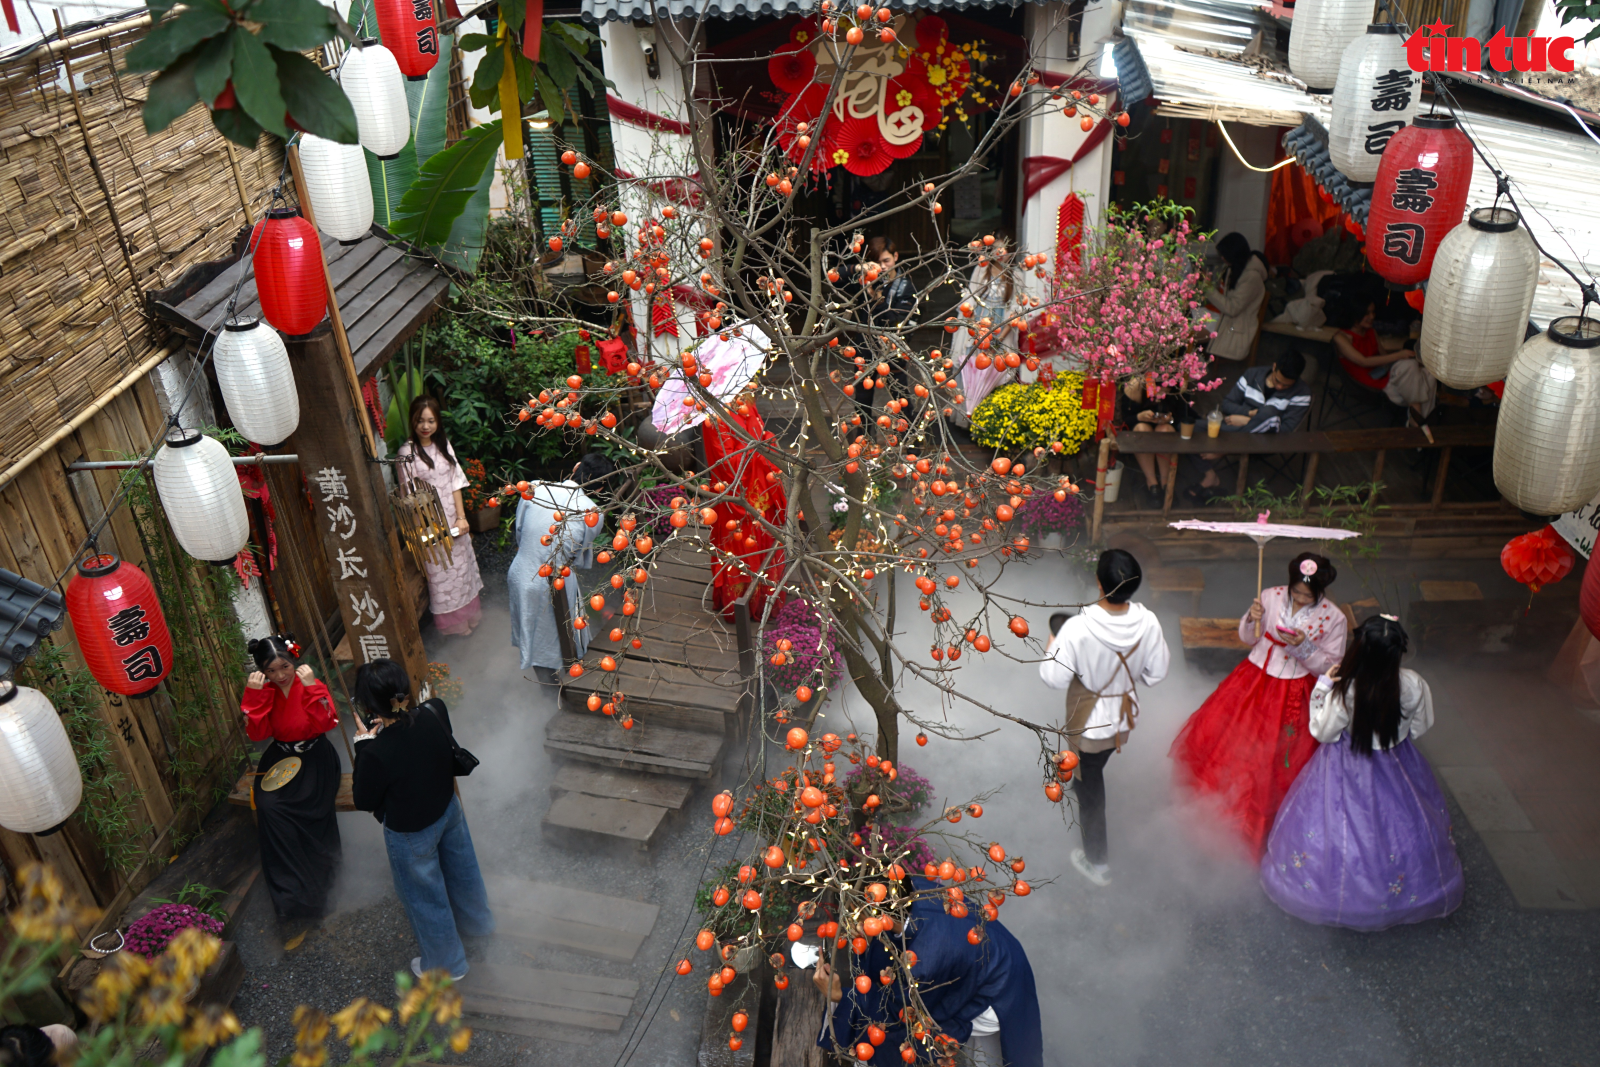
[615,10]
[1552,167]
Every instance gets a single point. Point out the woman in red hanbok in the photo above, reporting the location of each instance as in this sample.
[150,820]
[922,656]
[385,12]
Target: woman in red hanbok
[1250,738]
[742,545]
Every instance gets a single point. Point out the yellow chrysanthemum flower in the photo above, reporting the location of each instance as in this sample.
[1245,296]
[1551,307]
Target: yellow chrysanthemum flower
[360,1019]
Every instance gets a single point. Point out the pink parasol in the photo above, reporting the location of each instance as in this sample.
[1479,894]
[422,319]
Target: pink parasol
[1261,531]
[732,364]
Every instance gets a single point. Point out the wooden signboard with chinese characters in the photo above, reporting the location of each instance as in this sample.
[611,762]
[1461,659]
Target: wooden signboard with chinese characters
[350,507]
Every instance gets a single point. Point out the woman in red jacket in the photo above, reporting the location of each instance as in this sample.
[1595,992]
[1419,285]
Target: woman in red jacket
[297,778]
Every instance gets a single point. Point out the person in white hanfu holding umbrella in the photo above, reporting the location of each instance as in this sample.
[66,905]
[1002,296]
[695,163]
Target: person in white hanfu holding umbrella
[569,544]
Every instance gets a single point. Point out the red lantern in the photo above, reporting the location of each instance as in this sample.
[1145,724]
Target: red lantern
[289,272]
[1589,598]
[1420,195]
[119,625]
[407,30]
[1537,559]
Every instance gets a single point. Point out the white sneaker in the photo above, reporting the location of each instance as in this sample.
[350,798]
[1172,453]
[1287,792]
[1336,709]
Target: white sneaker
[1098,873]
[416,969]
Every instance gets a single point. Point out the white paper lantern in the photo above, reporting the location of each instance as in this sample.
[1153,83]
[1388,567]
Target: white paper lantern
[39,781]
[1318,35]
[337,183]
[377,91]
[1376,96]
[1547,442]
[256,380]
[1479,297]
[200,493]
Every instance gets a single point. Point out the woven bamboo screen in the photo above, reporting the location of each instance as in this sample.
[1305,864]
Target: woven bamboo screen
[76,255]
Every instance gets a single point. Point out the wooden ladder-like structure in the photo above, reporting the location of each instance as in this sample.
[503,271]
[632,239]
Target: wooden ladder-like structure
[686,687]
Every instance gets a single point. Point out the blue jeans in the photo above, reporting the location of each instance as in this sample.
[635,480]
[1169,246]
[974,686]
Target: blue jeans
[436,874]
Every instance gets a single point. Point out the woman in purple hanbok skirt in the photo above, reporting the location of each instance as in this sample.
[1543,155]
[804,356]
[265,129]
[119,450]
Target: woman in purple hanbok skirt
[1363,838]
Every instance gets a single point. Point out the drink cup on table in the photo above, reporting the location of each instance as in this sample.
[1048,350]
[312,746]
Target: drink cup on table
[1186,429]
[1214,422]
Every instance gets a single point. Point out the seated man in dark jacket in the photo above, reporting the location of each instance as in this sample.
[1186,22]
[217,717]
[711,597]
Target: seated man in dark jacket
[1264,400]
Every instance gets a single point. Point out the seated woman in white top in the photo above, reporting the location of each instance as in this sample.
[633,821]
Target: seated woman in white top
[1363,838]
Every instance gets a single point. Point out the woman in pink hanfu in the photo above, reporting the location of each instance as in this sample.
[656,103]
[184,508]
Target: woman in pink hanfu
[454,587]
[1248,741]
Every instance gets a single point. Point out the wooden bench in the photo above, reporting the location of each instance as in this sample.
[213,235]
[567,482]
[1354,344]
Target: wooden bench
[1177,580]
[1312,442]
[1212,644]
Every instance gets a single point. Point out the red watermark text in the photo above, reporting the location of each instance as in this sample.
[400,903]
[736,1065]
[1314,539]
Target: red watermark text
[1430,49]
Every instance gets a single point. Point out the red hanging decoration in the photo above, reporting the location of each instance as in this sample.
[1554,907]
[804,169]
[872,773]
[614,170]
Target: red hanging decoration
[289,272]
[407,29]
[1537,559]
[1069,231]
[1419,196]
[120,629]
[1589,598]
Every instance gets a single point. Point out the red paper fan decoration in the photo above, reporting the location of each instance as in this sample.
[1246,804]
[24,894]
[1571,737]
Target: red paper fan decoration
[806,106]
[792,69]
[868,153]
[1537,559]
[901,94]
[932,31]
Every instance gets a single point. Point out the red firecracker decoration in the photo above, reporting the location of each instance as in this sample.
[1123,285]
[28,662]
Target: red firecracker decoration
[408,30]
[1537,559]
[289,272]
[1419,196]
[119,625]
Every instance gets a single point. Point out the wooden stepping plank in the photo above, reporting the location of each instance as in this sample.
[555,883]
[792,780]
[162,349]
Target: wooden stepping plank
[668,694]
[539,913]
[670,793]
[547,996]
[676,639]
[343,801]
[647,747]
[579,814]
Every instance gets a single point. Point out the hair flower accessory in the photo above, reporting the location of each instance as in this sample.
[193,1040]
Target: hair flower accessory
[1391,618]
[1308,567]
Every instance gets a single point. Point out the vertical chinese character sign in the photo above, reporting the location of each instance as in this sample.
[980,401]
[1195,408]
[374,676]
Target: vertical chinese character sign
[119,626]
[364,616]
[1419,196]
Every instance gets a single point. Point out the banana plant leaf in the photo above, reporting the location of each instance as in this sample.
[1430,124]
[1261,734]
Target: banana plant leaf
[449,180]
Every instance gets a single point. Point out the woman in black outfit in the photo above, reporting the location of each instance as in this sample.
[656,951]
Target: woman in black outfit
[405,776]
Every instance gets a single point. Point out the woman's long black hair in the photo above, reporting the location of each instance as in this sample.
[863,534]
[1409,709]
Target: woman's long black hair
[1371,669]
[1235,251]
[440,441]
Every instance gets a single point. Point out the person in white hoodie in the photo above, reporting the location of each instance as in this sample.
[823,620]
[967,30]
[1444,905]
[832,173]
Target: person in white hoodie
[1099,656]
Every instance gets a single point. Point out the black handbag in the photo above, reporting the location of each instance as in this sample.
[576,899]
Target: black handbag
[462,762]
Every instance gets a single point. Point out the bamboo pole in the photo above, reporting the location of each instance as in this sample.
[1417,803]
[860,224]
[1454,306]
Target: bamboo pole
[339,336]
[238,181]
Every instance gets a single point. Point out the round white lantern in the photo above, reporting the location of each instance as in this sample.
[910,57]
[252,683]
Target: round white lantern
[1547,443]
[39,781]
[337,183]
[200,493]
[1479,296]
[256,381]
[1318,36]
[377,91]
[1376,95]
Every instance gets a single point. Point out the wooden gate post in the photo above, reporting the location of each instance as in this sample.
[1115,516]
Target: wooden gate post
[350,509]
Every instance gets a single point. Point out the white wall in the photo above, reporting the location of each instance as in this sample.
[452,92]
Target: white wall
[1054,134]
[1242,194]
[649,154]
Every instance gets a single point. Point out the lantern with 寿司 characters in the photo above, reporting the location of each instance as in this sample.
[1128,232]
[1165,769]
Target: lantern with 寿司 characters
[1419,196]
[117,619]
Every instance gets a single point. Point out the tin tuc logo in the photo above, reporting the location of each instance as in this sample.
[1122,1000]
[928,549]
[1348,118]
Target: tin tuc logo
[1431,49]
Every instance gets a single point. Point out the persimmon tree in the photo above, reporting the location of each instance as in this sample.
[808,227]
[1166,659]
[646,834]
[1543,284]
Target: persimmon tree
[874,509]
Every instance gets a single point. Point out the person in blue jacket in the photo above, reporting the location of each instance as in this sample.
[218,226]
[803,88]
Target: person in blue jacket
[981,995]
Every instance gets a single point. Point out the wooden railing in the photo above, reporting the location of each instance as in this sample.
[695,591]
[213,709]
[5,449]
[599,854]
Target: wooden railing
[1312,443]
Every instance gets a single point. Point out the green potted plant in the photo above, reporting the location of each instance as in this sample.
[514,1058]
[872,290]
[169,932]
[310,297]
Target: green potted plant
[483,507]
